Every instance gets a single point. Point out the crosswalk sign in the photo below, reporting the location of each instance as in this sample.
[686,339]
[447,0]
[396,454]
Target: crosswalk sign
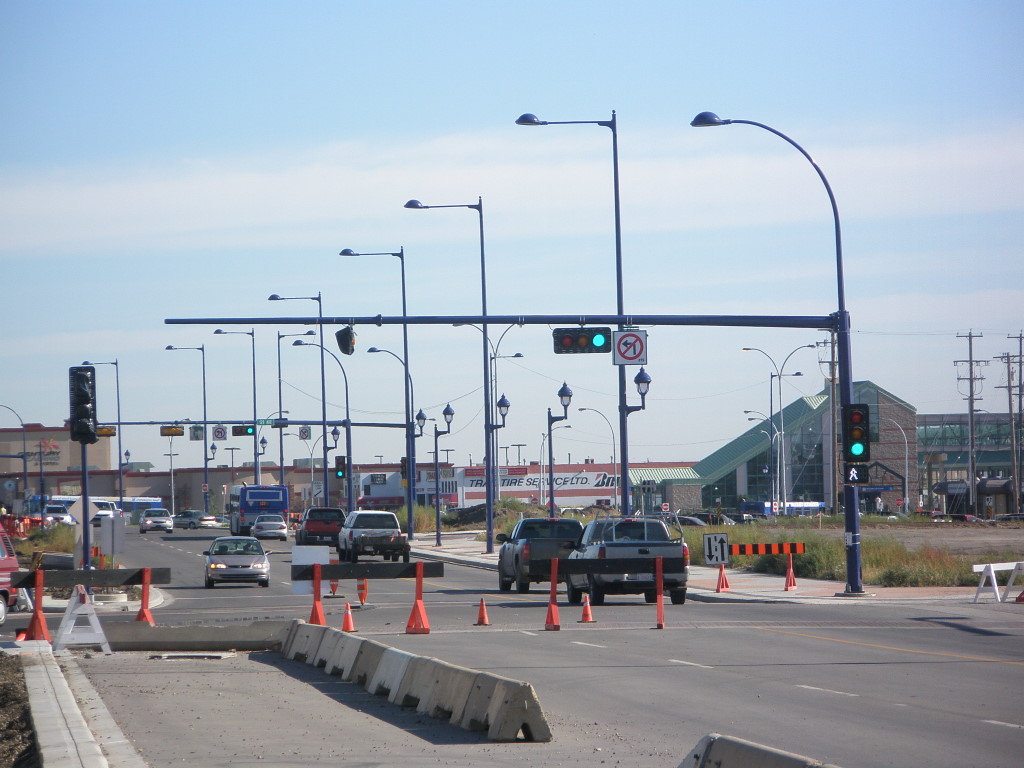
[856,474]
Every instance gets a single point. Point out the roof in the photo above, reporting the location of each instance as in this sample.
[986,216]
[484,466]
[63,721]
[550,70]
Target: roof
[658,474]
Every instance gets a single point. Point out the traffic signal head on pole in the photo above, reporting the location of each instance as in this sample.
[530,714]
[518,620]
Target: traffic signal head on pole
[856,433]
[346,338]
[405,468]
[82,392]
[243,430]
[340,465]
[574,341]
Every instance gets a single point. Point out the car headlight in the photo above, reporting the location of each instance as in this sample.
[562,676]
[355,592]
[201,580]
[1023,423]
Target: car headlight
[262,565]
[216,565]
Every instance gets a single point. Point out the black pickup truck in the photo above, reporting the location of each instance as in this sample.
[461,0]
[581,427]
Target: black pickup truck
[524,555]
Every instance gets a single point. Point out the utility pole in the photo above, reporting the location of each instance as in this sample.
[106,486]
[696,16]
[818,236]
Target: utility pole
[971,379]
[1018,466]
[837,479]
[1014,433]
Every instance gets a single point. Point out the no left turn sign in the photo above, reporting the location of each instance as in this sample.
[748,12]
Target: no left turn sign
[629,347]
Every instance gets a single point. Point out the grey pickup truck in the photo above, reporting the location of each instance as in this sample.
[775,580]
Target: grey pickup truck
[525,554]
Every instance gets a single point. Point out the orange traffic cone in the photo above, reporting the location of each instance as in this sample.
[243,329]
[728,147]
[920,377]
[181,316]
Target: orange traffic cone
[362,590]
[481,619]
[418,622]
[790,576]
[723,581]
[552,621]
[588,617]
[334,582]
[347,624]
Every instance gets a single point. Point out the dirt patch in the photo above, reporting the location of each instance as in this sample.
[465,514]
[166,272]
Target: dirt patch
[18,739]
[972,539]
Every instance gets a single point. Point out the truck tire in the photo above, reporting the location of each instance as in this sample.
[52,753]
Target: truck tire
[522,587]
[504,585]
[596,593]
[405,557]
[650,596]
[678,596]
[573,595]
[353,556]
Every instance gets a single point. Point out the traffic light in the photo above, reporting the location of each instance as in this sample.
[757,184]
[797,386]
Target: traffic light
[243,430]
[82,391]
[346,340]
[172,430]
[572,341]
[405,468]
[340,465]
[856,433]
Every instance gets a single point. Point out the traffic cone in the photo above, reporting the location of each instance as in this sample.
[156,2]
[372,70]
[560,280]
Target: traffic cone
[347,624]
[362,589]
[481,619]
[552,621]
[1020,598]
[418,623]
[334,582]
[588,617]
[790,576]
[723,581]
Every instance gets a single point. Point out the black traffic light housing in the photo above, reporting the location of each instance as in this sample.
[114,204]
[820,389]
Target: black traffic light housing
[340,465]
[405,468]
[856,433]
[574,341]
[346,338]
[82,394]
[243,430]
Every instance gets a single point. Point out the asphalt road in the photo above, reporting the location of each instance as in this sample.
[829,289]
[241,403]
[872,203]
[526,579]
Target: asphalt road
[852,684]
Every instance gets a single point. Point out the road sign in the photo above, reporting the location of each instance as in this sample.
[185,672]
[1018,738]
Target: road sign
[899,503]
[664,507]
[629,347]
[264,422]
[220,432]
[716,549]
[305,433]
[856,474]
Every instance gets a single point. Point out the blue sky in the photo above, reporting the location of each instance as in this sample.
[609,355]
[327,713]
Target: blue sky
[188,159]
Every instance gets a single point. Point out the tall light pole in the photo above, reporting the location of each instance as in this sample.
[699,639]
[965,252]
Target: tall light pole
[780,467]
[349,489]
[615,491]
[410,441]
[117,388]
[255,440]
[280,402]
[206,454]
[449,414]
[854,585]
[323,383]
[24,453]
[906,461]
[488,458]
[529,119]
[564,397]
[772,474]
[170,455]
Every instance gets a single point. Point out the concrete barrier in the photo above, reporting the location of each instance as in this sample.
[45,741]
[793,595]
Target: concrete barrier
[304,642]
[141,636]
[389,673]
[329,643]
[514,709]
[365,664]
[718,751]
[344,657]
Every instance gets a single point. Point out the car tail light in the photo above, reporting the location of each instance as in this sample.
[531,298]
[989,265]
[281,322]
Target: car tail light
[526,551]
[601,552]
[686,555]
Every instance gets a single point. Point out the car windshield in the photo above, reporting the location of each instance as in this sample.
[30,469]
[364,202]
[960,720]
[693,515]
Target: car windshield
[239,547]
[156,513]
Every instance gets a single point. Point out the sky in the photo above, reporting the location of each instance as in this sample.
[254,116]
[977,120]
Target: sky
[187,160]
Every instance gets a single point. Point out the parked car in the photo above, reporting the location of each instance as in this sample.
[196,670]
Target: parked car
[57,513]
[320,525]
[714,518]
[236,559]
[156,519]
[194,518]
[270,527]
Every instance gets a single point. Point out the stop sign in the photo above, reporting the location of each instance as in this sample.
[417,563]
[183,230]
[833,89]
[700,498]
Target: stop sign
[664,507]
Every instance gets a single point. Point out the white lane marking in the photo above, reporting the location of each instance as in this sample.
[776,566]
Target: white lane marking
[589,645]
[999,722]
[690,663]
[829,690]
[531,634]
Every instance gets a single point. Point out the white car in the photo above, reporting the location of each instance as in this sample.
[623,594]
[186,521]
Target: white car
[156,519]
[270,527]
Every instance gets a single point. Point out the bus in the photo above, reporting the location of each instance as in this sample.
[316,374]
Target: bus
[247,502]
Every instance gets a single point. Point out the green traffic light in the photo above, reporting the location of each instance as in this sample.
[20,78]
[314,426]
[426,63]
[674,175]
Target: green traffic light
[599,340]
[857,449]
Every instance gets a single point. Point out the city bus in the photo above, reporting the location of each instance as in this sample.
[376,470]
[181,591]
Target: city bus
[247,502]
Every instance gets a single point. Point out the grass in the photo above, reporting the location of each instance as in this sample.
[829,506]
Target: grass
[885,562]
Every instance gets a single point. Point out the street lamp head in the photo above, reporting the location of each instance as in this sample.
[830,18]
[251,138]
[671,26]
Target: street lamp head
[421,419]
[642,381]
[219,331]
[127,457]
[213,450]
[503,406]
[373,349]
[415,204]
[448,413]
[300,343]
[274,297]
[708,120]
[335,433]
[528,118]
[263,442]
[565,395]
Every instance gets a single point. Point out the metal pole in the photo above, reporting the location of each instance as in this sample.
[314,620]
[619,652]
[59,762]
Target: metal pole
[551,467]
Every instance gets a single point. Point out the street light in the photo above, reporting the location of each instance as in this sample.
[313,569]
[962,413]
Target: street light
[349,490]
[780,464]
[488,458]
[906,461]
[449,414]
[615,491]
[543,438]
[410,440]
[529,119]
[564,397]
[206,455]
[323,383]
[280,400]
[255,445]
[854,585]
[170,457]
[117,389]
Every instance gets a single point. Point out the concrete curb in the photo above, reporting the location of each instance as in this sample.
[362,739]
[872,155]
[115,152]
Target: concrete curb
[718,751]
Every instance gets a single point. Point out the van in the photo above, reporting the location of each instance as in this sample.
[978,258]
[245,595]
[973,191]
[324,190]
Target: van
[8,565]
